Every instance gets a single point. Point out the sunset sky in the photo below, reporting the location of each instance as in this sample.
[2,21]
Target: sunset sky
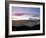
[22,13]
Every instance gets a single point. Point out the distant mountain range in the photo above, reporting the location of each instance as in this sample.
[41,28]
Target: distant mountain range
[28,23]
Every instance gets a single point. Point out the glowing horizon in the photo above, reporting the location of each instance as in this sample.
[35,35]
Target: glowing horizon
[24,18]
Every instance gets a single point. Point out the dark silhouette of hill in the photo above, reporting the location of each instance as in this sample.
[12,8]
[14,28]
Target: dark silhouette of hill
[23,27]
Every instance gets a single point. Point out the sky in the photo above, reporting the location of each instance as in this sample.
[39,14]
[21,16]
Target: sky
[22,13]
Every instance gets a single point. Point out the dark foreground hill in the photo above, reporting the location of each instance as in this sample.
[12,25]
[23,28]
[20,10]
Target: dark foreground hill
[23,27]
